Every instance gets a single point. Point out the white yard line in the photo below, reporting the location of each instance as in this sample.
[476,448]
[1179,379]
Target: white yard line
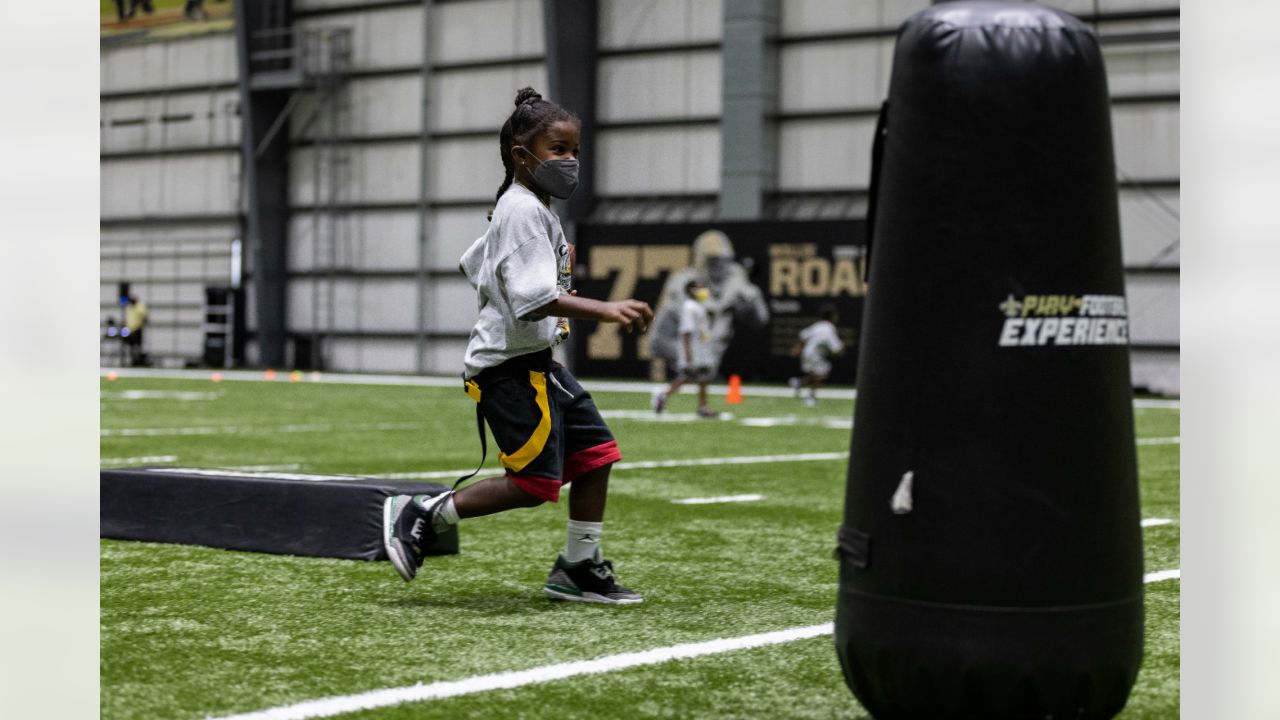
[1160,441]
[328,707]
[143,460]
[1155,522]
[180,395]
[254,429]
[640,465]
[231,472]
[720,499]
[453,381]
[389,697]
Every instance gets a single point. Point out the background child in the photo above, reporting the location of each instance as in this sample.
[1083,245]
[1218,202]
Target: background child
[817,345]
[695,356]
[547,426]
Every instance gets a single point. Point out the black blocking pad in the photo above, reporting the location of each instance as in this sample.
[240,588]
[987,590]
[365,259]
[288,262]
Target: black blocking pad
[292,514]
[991,552]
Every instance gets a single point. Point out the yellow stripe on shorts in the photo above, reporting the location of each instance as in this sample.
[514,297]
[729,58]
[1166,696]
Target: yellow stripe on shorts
[516,461]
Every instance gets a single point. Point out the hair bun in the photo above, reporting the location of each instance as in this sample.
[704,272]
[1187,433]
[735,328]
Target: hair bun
[527,95]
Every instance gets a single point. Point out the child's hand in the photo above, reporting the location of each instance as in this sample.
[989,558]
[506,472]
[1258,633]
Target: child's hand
[629,313]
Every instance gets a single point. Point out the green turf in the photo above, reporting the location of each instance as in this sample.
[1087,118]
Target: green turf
[188,631]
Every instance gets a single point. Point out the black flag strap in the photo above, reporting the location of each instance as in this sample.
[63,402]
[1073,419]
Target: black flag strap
[473,389]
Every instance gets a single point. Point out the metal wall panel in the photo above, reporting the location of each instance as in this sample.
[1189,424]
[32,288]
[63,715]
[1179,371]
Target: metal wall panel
[451,306]
[464,168]
[825,154]
[670,85]
[380,39]
[1153,308]
[1143,69]
[172,185]
[486,30]
[658,160]
[637,23]
[1155,370]
[835,75]
[444,356]
[378,106]
[369,241]
[159,122]
[481,98]
[378,174]
[372,355]
[1149,226]
[1089,7]
[1146,140]
[359,304]
[202,60]
[821,16]
[452,230]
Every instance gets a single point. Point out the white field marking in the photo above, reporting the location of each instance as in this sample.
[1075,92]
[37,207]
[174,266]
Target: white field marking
[254,429]
[720,499]
[328,707]
[638,465]
[446,381]
[1155,522]
[452,381]
[145,459]
[830,421]
[264,468]
[388,697]
[651,416]
[228,472]
[181,395]
[1151,404]
[1160,441]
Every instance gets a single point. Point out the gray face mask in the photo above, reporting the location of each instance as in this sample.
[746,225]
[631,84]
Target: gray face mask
[559,178]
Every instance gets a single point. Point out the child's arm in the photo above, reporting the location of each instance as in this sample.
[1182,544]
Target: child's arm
[627,313]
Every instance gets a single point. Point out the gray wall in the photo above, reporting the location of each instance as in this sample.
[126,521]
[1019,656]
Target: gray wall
[170,182]
[171,185]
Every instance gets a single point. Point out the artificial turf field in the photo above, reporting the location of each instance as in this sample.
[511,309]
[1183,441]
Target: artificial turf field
[194,632]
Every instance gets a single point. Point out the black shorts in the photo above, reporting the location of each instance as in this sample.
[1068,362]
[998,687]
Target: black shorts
[547,426]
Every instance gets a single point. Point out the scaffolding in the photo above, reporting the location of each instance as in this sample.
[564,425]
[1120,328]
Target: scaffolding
[313,64]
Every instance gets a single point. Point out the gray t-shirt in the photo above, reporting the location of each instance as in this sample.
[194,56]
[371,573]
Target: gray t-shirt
[519,265]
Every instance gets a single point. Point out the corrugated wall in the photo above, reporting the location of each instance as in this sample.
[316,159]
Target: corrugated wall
[170,163]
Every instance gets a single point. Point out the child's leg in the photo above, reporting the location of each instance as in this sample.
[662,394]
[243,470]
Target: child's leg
[588,494]
[702,394]
[674,386]
[491,495]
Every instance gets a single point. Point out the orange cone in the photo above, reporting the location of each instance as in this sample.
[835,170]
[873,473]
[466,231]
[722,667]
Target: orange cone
[216,377]
[295,376]
[269,374]
[735,390]
[111,377]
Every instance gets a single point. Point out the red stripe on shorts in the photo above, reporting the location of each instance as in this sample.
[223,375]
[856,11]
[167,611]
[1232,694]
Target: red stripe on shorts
[584,461]
[539,487]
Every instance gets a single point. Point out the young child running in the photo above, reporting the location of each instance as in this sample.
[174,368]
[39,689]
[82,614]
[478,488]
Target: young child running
[547,426]
[817,345]
[697,357]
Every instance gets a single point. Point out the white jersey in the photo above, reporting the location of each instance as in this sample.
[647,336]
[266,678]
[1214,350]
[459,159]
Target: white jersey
[695,322]
[519,265]
[821,342]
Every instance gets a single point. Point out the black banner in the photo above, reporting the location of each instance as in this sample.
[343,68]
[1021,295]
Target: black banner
[768,281]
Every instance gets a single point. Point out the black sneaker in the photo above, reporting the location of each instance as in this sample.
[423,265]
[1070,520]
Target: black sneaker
[407,530]
[587,581]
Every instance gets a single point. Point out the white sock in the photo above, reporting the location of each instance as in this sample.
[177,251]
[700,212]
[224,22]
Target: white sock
[583,540]
[447,516]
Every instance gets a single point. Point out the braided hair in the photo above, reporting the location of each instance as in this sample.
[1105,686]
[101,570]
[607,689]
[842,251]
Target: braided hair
[532,115]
